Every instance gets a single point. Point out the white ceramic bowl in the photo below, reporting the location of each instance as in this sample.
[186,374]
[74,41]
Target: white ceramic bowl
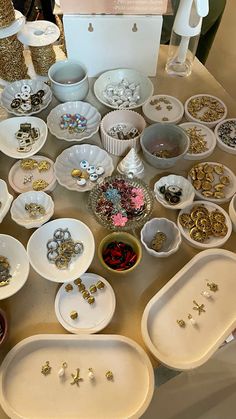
[212,241]
[153,115]
[9,142]
[83,108]
[22,217]
[229,190]
[70,159]
[188,191]
[209,137]
[5,199]
[11,89]
[16,254]
[190,118]
[163,225]
[16,176]
[116,76]
[121,147]
[37,250]
[232,212]
[232,134]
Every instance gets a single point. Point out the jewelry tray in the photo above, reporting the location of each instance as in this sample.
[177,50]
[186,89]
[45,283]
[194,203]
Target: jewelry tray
[26,393]
[188,347]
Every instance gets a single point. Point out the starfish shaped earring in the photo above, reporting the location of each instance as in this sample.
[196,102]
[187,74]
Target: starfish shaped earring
[199,308]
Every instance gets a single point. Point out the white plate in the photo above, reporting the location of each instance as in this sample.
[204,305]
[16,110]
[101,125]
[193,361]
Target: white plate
[91,318]
[189,117]
[209,137]
[5,199]
[16,176]
[8,94]
[37,250]
[188,191]
[22,217]
[212,241]
[16,254]
[70,159]
[116,76]
[39,33]
[14,27]
[190,347]
[152,115]
[83,108]
[9,142]
[229,190]
[47,397]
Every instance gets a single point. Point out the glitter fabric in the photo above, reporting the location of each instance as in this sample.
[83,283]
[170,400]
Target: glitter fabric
[12,60]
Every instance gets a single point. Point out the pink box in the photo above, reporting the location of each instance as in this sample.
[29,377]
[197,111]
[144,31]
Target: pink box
[128,7]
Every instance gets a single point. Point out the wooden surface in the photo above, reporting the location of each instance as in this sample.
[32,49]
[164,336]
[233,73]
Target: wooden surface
[31,310]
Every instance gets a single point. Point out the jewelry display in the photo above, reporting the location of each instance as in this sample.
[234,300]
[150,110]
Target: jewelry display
[198,143]
[35,210]
[61,248]
[210,180]
[73,123]
[122,95]
[76,377]
[87,172]
[4,271]
[172,193]
[39,184]
[158,241]
[27,101]
[123,132]
[46,368]
[199,308]
[226,132]
[206,108]
[31,164]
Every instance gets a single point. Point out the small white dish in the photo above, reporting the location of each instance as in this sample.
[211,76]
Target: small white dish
[116,76]
[83,108]
[170,229]
[156,110]
[211,124]
[91,318]
[22,217]
[9,142]
[17,175]
[37,250]
[39,33]
[229,190]
[17,257]
[12,89]
[5,199]
[186,187]
[212,241]
[14,27]
[230,126]
[209,137]
[70,159]
[232,212]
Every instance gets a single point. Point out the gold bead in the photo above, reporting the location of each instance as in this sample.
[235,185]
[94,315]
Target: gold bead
[73,315]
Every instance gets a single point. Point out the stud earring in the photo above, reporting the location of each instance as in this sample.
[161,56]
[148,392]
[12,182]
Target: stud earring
[46,369]
[109,375]
[181,323]
[61,371]
[192,320]
[76,378]
[199,307]
[91,374]
[206,294]
[213,286]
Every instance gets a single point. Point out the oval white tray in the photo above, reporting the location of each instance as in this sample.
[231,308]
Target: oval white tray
[91,318]
[190,347]
[26,393]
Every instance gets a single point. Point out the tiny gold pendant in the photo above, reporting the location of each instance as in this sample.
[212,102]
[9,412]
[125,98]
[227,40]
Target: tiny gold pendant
[199,307]
[39,184]
[73,315]
[69,287]
[109,376]
[46,369]
[181,323]
[43,166]
[213,286]
[76,377]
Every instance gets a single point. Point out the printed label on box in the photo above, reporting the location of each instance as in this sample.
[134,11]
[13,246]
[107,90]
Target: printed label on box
[156,7]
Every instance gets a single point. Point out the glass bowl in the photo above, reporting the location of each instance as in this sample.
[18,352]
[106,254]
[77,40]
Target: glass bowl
[119,205]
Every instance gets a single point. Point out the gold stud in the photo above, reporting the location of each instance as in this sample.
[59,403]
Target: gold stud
[46,369]
[81,287]
[91,300]
[100,285]
[109,375]
[181,323]
[85,294]
[213,286]
[73,315]
[93,288]
[77,281]
[68,288]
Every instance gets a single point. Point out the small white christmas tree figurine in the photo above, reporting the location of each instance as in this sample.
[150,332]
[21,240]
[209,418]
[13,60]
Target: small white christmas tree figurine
[131,163]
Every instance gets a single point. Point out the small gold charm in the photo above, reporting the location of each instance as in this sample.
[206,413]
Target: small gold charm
[109,376]
[76,173]
[43,166]
[199,308]
[85,294]
[39,184]
[61,372]
[46,369]
[93,288]
[181,323]
[100,285]
[69,287]
[192,320]
[73,315]
[91,374]
[77,281]
[81,287]
[76,378]
[28,164]
[213,286]
[91,300]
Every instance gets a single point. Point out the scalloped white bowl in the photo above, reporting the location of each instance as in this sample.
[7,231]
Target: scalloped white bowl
[21,216]
[15,252]
[11,89]
[70,159]
[5,199]
[166,226]
[212,241]
[188,191]
[8,141]
[116,76]
[88,111]
[37,250]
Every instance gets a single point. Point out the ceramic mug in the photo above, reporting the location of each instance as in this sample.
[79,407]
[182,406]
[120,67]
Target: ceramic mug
[69,80]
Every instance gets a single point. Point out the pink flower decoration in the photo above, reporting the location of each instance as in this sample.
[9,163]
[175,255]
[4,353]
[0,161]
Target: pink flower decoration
[137,201]
[138,192]
[119,220]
